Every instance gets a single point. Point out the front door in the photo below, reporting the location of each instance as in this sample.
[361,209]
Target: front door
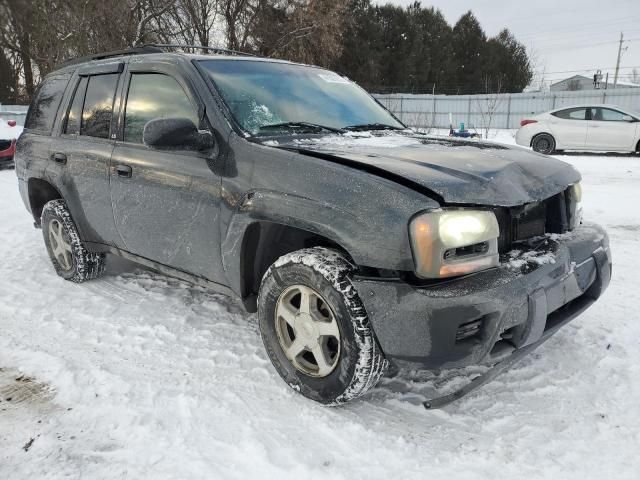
[609,130]
[166,203]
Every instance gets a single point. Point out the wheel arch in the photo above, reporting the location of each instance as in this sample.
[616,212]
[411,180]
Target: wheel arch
[40,192]
[263,242]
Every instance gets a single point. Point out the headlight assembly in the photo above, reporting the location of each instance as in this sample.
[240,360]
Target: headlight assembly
[446,243]
[574,205]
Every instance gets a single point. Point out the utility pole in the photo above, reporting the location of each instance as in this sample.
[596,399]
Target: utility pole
[615,77]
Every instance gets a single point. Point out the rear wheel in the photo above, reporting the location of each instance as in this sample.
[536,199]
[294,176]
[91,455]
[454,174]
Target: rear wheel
[543,143]
[315,328]
[69,257]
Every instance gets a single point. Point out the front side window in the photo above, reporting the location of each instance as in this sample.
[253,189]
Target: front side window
[607,115]
[44,107]
[152,96]
[572,114]
[98,105]
[263,94]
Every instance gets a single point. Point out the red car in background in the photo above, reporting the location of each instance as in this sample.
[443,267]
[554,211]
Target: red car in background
[8,147]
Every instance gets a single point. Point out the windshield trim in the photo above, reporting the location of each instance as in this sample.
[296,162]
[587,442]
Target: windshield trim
[235,125]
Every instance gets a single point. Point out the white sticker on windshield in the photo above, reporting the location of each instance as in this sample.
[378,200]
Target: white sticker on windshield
[333,78]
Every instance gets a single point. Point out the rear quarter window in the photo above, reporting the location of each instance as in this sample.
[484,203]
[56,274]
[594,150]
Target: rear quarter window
[44,107]
[572,114]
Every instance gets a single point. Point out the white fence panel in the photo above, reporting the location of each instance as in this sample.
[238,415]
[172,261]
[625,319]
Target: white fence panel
[432,111]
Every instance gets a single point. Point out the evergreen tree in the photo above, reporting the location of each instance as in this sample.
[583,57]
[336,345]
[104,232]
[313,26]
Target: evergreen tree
[469,55]
[510,66]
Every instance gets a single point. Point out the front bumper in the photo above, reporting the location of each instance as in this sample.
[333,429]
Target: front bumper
[505,308]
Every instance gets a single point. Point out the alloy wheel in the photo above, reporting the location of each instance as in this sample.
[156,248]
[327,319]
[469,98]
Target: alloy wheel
[307,331]
[60,246]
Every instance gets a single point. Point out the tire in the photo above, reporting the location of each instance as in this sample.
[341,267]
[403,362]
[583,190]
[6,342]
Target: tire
[70,259]
[543,143]
[359,362]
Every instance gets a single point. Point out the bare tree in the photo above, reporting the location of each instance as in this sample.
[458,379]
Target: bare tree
[489,104]
[195,21]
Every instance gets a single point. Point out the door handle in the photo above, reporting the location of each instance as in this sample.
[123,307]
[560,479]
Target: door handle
[123,171]
[60,158]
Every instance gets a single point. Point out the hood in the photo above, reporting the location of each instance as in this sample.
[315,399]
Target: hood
[459,171]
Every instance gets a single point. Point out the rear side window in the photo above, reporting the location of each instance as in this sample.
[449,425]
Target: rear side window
[44,107]
[572,114]
[75,112]
[98,105]
[151,96]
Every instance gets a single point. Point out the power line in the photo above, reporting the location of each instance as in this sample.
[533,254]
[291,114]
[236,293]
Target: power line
[585,27]
[564,47]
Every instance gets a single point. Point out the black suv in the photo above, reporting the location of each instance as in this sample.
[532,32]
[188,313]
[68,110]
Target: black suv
[358,241]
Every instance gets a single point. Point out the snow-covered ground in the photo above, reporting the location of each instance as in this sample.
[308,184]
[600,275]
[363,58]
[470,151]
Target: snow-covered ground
[137,375]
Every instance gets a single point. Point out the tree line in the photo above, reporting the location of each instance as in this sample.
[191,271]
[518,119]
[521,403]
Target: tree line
[385,48]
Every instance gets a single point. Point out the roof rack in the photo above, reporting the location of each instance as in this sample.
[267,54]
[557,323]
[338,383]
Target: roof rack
[137,50]
[152,48]
[214,50]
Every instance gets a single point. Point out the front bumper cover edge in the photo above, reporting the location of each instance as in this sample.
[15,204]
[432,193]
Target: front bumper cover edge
[538,321]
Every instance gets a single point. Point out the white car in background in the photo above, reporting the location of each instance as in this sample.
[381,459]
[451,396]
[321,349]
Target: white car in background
[582,127]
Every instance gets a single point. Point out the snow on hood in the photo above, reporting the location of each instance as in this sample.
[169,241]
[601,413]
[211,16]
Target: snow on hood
[459,171]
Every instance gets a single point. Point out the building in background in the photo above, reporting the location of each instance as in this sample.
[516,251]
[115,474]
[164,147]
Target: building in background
[582,82]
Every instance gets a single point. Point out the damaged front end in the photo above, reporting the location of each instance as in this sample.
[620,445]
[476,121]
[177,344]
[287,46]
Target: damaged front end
[493,316]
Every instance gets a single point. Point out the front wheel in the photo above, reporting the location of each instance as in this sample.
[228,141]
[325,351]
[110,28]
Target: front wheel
[543,143]
[70,259]
[315,328]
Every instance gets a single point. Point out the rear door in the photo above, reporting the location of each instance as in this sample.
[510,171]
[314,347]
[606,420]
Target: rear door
[569,128]
[609,129]
[79,156]
[32,151]
[166,203]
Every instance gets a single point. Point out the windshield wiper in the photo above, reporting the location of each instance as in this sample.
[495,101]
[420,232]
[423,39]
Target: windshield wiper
[303,126]
[371,126]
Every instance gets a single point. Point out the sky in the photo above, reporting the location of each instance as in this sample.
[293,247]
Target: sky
[563,37]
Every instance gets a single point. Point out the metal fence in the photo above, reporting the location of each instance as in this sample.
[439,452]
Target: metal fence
[14,112]
[434,111]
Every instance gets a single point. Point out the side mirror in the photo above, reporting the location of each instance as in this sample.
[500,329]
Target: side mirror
[176,134]
[628,118]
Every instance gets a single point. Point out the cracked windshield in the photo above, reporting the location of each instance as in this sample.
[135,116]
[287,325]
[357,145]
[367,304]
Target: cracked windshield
[267,98]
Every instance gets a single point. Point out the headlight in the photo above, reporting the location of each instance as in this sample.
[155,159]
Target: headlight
[446,243]
[577,191]
[574,205]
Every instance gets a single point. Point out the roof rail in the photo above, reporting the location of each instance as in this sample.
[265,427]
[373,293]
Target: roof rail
[214,50]
[150,48]
[137,50]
